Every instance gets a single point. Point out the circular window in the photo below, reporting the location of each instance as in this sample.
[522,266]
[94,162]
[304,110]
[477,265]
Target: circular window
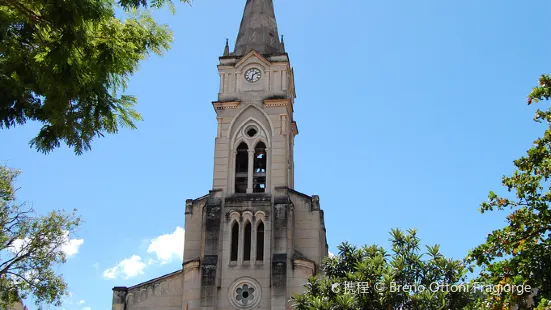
[244,293]
[251,131]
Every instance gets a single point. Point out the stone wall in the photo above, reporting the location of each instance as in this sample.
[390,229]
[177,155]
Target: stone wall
[162,293]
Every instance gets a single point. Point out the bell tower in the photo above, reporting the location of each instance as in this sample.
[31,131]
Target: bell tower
[256,130]
[253,241]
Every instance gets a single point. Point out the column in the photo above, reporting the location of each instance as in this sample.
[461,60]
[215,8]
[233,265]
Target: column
[241,241]
[250,172]
[231,172]
[253,240]
[268,174]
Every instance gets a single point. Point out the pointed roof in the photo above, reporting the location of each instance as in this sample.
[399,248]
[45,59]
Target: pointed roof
[258,29]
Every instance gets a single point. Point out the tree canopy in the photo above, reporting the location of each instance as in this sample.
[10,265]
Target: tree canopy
[520,252]
[369,277]
[66,64]
[31,247]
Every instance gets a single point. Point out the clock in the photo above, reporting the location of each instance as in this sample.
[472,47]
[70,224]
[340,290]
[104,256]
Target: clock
[252,75]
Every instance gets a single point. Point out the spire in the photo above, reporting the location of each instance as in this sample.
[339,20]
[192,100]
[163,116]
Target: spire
[282,44]
[227,48]
[258,29]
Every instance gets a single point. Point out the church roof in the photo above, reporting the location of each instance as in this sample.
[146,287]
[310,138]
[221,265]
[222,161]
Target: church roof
[258,30]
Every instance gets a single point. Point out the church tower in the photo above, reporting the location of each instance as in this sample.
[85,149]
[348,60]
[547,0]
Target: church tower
[253,240]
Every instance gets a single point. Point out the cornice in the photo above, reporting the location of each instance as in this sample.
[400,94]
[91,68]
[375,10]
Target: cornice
[284,102]
[224,105]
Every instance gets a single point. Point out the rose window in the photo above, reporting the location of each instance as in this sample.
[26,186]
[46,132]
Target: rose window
[244,294]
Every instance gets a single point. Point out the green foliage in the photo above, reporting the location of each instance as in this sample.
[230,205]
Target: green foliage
[65,64]
[378,280]
[520,252]
[30,248]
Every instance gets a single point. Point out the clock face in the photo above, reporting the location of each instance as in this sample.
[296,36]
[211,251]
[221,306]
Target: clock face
[252,75]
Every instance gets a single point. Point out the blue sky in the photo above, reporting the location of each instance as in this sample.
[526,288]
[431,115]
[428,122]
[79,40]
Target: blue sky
[409,114]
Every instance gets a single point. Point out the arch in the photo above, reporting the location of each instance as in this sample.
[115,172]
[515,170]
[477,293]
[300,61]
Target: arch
[130,299]
[259,215]
[247,241]
[248,215]
[260,116]
[260,167]
[234,246]
[242,140]
[239,136]
[241,168]
[260,241]
[260,139]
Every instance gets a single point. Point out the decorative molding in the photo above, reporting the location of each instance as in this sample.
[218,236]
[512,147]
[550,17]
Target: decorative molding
[253,53]
[251,106]
[223,105]
[284,102]
[260,216]
[306,264]
[233,215]
[247,215]
[192,265]
[283,127]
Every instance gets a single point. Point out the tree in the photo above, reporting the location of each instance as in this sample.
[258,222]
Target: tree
[370,278]
[520,252]
[66,65]
[30,248]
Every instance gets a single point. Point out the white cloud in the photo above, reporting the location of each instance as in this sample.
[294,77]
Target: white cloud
[331,255]
[167,246]
[18,244]
[69,246]
[86,308]
[128,268]
[81,302]
[164,248]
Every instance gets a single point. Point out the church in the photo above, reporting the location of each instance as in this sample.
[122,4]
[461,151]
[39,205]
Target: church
[253,241]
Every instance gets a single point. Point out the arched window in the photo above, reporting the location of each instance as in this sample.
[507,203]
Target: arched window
[241,168]
[247,242]
[234,241]
[259,172]
[260,241]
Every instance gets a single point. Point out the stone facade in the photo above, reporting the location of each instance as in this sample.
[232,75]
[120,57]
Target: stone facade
[252,241]
[161,293]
